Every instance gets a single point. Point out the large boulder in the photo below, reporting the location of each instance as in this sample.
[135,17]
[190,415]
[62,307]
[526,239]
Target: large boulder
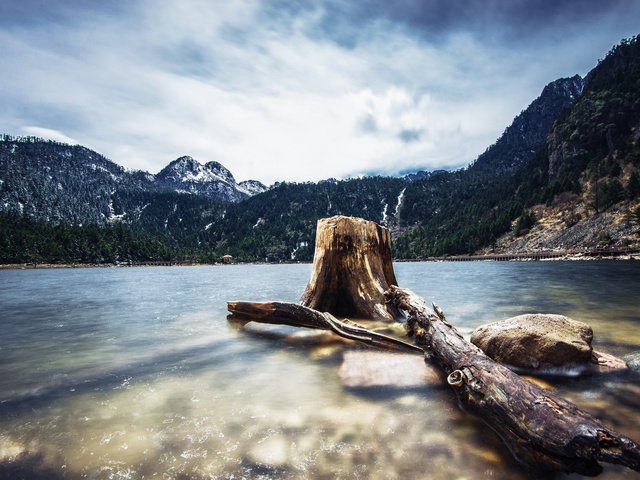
[536,340]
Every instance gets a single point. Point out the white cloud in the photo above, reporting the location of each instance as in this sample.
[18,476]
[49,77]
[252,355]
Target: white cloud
[265,97]
[49,134]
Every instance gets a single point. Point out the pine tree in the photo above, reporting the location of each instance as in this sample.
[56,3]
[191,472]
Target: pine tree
[633,185]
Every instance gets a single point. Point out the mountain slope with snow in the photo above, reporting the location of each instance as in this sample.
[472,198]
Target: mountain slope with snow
[61,183]
[213,180]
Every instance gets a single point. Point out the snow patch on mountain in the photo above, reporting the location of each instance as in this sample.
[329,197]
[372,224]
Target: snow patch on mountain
[399,204]
[252,187]
[384,213]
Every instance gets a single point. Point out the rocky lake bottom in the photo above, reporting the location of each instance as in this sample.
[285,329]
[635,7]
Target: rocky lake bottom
[135,373]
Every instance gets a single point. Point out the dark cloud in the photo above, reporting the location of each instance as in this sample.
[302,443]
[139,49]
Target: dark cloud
[346,23]
[518,16]
[409,136]
[368,124]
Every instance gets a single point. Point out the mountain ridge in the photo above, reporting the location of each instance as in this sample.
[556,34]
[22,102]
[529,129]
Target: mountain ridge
[536,120]
[58,182]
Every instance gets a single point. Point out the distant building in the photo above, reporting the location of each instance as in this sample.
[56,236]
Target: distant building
[227,258]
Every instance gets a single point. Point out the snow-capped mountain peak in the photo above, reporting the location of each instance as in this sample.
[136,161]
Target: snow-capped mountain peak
[187,175]
[188,169]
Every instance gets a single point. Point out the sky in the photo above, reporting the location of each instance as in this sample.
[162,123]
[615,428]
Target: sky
[292,91]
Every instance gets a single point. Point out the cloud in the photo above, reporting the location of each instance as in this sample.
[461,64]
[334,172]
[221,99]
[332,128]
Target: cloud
[408,136]
[291,91]
[48,134]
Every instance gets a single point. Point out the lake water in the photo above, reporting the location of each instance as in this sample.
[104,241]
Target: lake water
[128,373]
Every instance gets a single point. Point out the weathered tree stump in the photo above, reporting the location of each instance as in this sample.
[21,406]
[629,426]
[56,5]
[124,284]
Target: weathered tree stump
[352,268]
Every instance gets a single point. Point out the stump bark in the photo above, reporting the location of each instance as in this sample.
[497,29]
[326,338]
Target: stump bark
[352,268]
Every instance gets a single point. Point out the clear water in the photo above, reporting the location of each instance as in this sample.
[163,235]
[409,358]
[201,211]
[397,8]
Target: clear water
[131,373]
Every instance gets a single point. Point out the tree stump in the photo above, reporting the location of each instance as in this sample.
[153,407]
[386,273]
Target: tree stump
[352,268]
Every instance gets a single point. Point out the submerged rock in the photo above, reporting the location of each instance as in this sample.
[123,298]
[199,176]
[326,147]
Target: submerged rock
[633,361]
[605,363]
[272,452]
[536,340]
[362,368]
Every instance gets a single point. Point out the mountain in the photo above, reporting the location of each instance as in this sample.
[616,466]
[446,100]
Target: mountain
[584,184]
[213,180]
[56,182]
[564,174]
[529,130]
[579,187]
[251,187]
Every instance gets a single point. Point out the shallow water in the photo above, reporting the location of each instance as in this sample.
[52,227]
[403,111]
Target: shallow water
[136,373]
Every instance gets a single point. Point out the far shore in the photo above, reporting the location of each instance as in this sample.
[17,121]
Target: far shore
[511,257]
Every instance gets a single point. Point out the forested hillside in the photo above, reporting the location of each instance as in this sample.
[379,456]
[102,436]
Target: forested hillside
[588,163]
[280,224]
[24,240]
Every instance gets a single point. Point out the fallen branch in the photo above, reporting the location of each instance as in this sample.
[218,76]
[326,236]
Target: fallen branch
[283,313]
[542,430]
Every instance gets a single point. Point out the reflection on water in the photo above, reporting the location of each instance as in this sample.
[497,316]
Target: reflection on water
[135,373]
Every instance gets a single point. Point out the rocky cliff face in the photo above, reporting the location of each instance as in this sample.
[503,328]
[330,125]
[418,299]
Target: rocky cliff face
[572,225]
[605,120]
[529,130]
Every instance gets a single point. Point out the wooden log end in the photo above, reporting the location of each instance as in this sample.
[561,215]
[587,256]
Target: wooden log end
[251,310]
[614,448]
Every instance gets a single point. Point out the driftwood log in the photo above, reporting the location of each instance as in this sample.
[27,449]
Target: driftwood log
[283,313]
[352,268]
[353,263]
[542,430]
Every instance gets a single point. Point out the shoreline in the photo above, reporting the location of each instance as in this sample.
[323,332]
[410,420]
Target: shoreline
[519,257]
[42,266]
[537,256]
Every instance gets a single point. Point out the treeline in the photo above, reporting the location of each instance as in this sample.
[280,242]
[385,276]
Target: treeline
[24,240]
